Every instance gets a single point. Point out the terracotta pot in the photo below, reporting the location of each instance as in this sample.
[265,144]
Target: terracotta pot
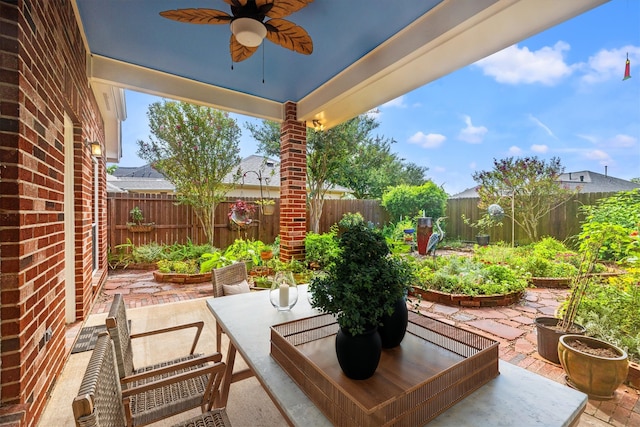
[597,376]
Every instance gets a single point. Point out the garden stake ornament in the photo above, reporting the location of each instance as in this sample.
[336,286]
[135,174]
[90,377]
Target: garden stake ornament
[627,69]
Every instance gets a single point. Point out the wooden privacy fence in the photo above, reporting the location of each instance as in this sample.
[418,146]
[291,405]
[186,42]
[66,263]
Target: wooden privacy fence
[562,222]
[174,223]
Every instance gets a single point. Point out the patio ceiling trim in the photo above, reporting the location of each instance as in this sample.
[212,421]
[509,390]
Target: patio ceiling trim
[129,76]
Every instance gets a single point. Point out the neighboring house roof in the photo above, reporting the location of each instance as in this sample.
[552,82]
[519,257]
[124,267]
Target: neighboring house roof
[593,182]
[146,179]
[587,181]
[140,185]
[255,167]
[146,171]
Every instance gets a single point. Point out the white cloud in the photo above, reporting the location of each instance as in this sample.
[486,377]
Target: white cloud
[439,169]
[622,141]
[399,102]
[515,65]
[539,148]
[617,141]
[542,125]
[609,64]
[600,156]
[515,151]
[374,114]
[472,134]
[592,139]
[431,140]
[473,165]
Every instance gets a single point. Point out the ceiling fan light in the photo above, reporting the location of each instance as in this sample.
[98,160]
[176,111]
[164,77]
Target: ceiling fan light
[248,32]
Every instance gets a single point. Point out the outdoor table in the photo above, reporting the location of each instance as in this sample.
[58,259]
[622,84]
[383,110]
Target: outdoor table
[516,397]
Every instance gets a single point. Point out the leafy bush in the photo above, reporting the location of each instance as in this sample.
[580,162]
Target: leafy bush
[618,217]
[184,267]
[150,253]
[321,249]
[179,252]
[609,311]
[408,201]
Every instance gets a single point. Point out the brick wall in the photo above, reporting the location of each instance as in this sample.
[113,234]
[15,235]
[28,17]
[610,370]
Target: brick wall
[42,65]
[293,185]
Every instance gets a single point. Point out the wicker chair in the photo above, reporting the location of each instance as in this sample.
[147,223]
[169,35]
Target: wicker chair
[102,402]
[229,275]
[190,389]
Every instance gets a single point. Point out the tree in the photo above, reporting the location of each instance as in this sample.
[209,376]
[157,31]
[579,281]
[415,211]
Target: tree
[326,154]
[194,147]
[408,201]
[345,155]
[529,185]
[372,168]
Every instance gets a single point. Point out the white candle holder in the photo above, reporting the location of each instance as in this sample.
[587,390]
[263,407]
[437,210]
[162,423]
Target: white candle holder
[284,291]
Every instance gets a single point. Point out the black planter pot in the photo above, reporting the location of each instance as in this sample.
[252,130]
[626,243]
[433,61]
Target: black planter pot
[395,326]
[548,337]
[358,355]
[483,239]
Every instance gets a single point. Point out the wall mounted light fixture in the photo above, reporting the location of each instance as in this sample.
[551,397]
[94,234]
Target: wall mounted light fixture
[96,149]
[317,125]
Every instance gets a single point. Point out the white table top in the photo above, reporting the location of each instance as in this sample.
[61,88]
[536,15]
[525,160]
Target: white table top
[516,397]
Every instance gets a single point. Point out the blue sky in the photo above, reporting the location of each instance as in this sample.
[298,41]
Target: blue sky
[557,94]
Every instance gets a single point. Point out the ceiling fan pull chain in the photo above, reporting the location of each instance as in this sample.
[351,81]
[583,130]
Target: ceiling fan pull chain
[263,62]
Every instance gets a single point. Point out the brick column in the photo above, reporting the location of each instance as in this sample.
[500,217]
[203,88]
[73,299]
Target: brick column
[293,185]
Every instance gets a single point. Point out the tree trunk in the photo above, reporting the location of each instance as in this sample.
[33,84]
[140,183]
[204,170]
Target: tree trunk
[315,209]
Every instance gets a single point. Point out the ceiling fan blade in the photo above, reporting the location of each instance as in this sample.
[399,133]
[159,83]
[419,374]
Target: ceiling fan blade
[240,52]
[289,35]
[198,16]
[282,8]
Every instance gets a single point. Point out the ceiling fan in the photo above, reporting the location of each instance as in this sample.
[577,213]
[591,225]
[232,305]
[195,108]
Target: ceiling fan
[247,26]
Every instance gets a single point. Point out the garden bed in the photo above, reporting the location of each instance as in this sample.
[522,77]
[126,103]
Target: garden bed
[181,277]
[439,297]
[551,282]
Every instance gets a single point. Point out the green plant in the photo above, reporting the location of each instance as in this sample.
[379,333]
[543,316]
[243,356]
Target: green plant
[409,201]
[121,256]
[395,231]
[182,267]
[149,253]
[590,250]
[211,260]
[364,283]
[609,312]
[265,202]
[262,282]
[321,250]
[136,215]
[464,275]
[244,250]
